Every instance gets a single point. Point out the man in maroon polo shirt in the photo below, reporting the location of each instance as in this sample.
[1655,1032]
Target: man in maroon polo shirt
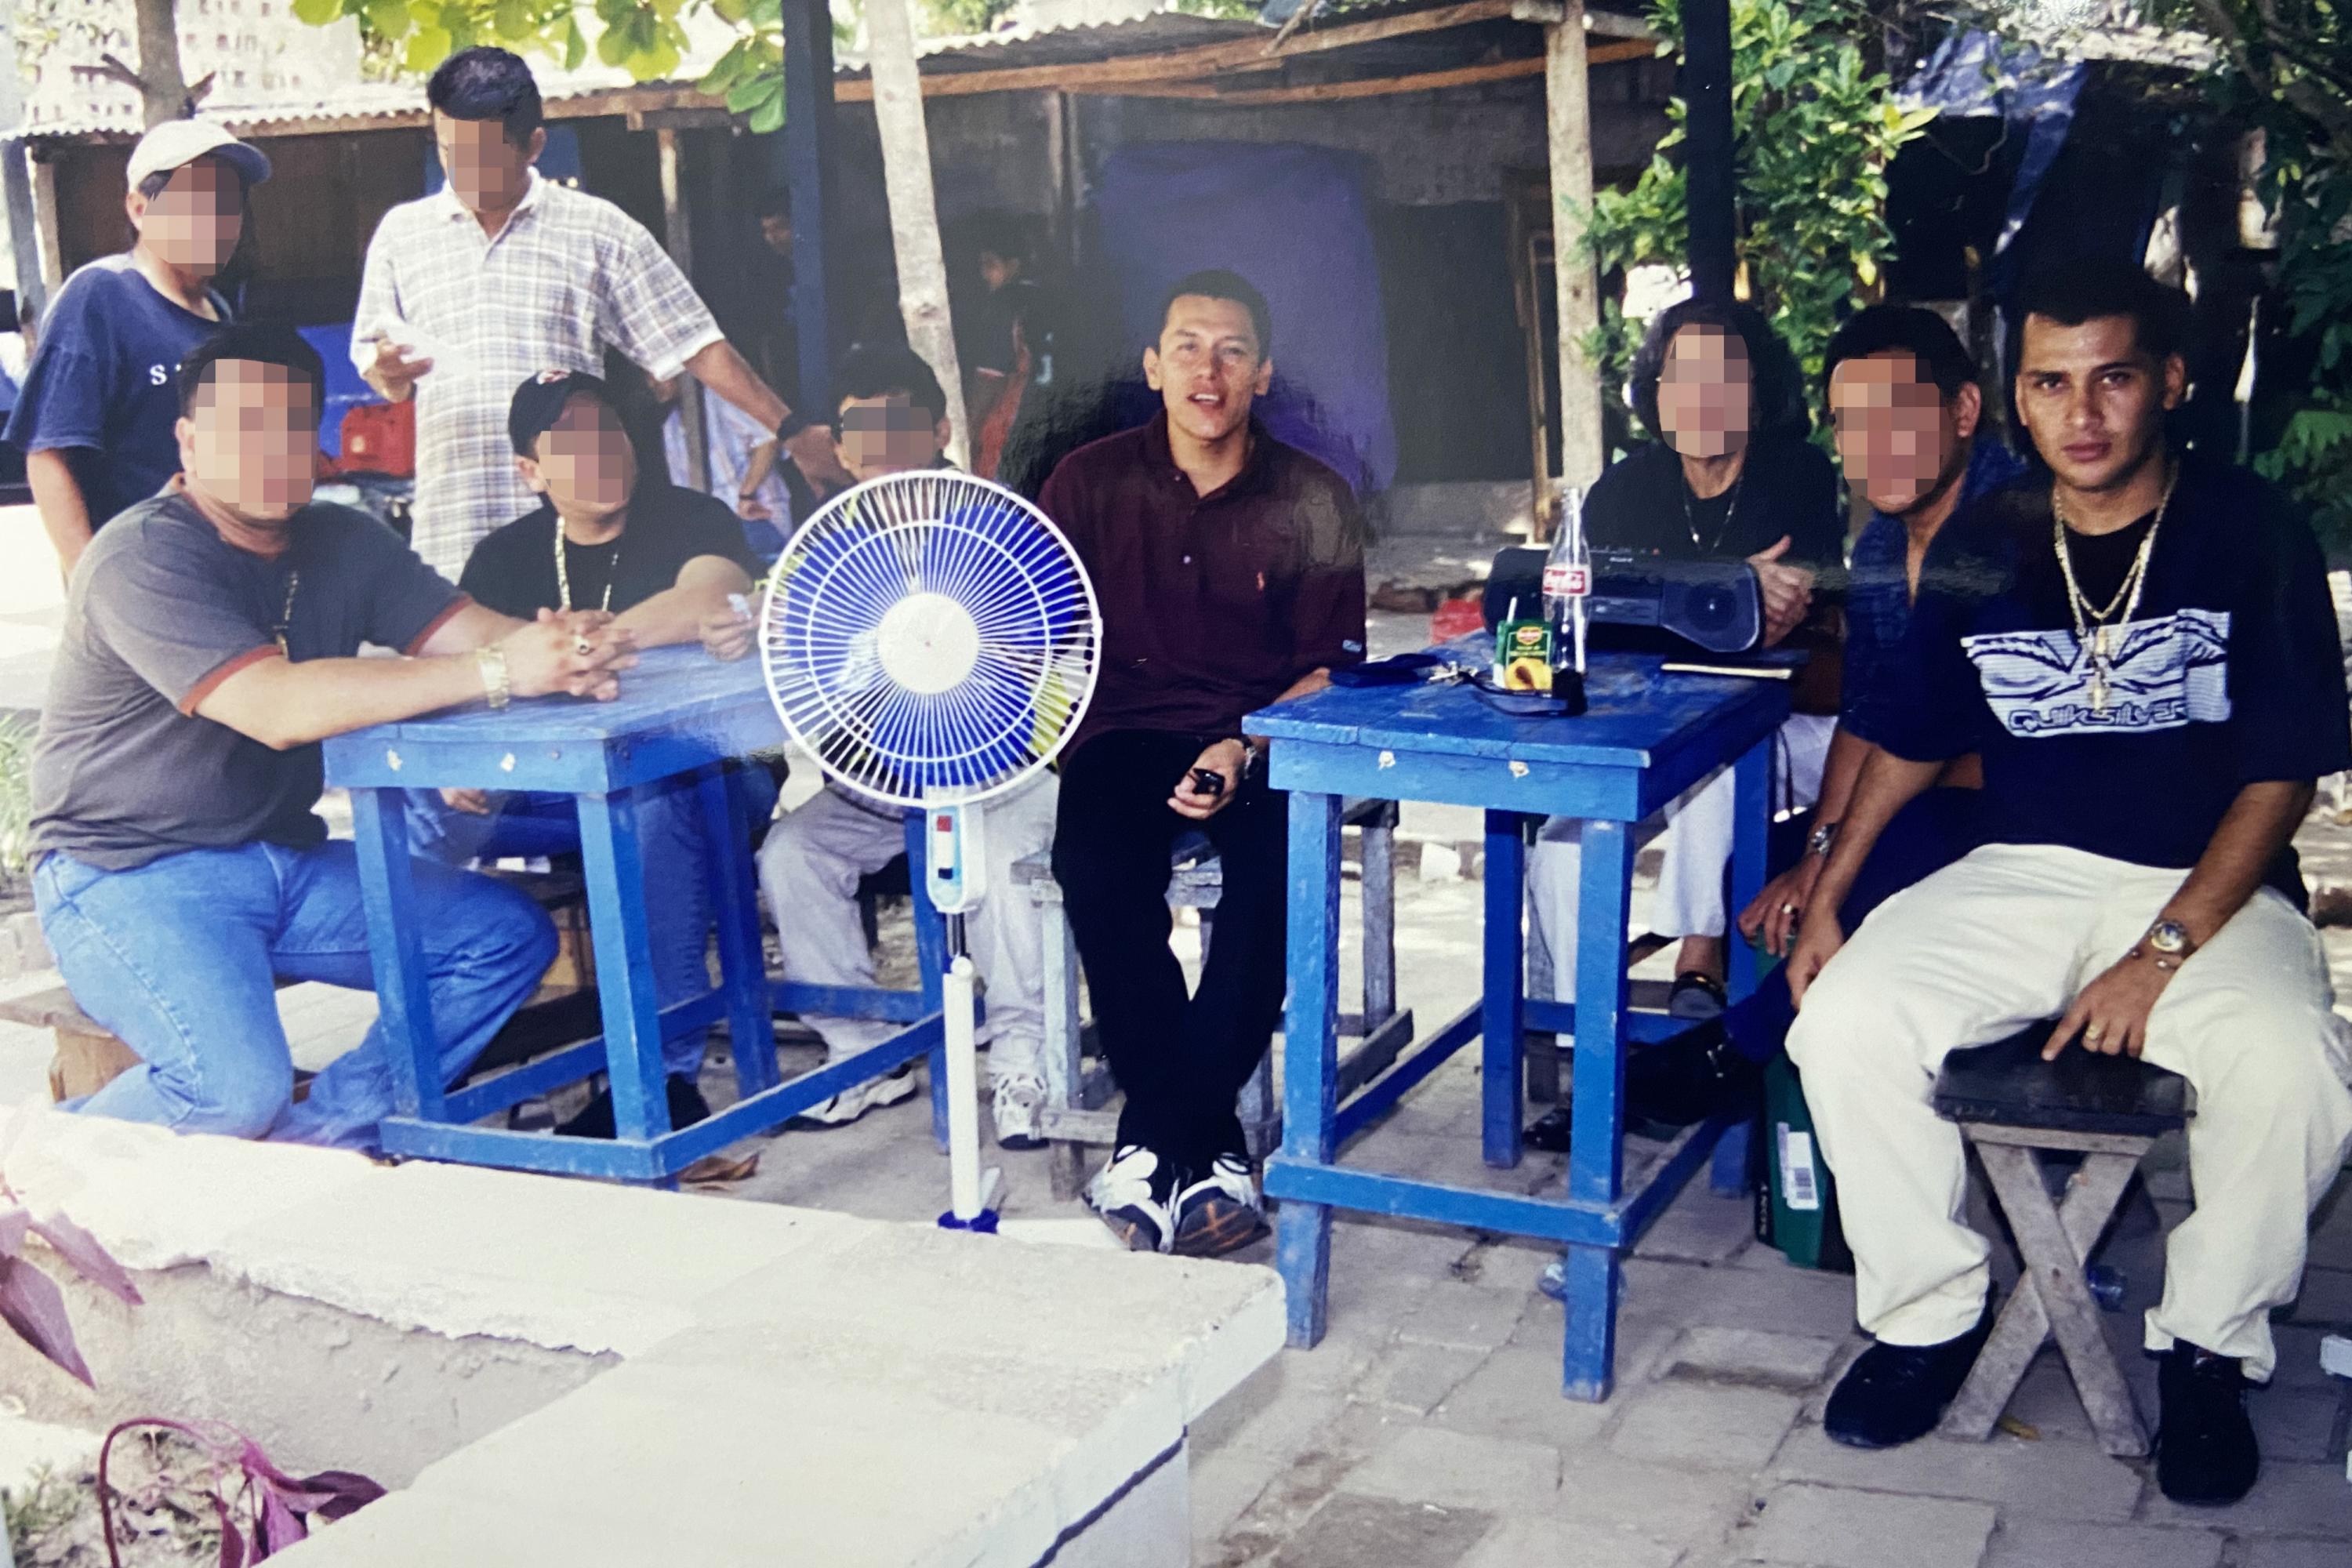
[1230,569]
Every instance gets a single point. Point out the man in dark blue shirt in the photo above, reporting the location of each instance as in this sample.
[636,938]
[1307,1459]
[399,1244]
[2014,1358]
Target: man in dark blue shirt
[96,415]
[1904,399]
[2141,648]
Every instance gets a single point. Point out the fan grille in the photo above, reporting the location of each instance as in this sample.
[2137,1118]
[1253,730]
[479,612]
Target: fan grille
[929,636]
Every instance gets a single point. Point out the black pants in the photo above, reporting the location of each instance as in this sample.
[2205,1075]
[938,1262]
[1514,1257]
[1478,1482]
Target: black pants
[1181,1060]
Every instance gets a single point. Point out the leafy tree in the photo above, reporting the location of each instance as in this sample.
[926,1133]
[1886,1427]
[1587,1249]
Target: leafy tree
[1815,127]
[647,38]
[2290,71]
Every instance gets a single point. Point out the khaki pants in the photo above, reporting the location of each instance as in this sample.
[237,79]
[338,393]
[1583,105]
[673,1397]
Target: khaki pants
[809,867]
[2009,935]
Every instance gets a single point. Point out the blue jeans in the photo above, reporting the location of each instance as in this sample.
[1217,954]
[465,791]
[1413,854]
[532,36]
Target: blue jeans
[670,841]
[178,956]
[1936,828]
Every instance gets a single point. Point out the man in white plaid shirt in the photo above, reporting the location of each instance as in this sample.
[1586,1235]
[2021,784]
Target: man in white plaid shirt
[503,275]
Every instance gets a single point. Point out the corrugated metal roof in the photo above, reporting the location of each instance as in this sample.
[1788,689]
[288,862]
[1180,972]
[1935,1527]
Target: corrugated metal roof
[1164,31]
[388,101]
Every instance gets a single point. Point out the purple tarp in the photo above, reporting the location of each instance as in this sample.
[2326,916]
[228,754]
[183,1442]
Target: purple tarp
[1293,220]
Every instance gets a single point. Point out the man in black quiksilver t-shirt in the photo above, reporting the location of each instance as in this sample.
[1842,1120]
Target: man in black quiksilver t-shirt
[657,558]
[2141,646]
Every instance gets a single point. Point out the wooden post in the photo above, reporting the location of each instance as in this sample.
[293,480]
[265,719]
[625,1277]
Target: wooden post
[808,155]
[1568,113]
[1058,211]
[45,223]
[24,232]
[914,210]
[678,235]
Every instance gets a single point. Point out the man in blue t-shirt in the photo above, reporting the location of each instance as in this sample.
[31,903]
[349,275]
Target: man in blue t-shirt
[95,417]
[2141,648]
[1902,395]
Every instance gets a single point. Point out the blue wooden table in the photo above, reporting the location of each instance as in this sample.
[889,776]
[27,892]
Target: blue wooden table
[1647,737]
[680,717]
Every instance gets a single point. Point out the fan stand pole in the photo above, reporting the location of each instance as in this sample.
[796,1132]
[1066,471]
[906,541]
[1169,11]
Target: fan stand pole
[969,1190]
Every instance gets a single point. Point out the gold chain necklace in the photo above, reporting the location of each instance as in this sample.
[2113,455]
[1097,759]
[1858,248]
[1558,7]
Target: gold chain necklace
[564,576]
[2091,624]
[285,616]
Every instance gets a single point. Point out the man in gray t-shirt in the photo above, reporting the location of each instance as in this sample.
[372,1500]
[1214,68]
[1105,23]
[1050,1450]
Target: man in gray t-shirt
[211,643]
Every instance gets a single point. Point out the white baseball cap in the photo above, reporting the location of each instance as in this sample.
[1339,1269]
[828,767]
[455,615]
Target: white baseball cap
[176,143]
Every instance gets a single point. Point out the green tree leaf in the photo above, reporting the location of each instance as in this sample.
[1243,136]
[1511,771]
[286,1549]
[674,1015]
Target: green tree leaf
[318,13]
[387,18]
[427,48]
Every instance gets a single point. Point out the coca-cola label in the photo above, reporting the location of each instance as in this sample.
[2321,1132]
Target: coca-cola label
[1567,582]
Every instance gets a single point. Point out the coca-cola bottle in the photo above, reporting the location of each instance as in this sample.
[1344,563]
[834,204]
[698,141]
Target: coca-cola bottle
[1568,597]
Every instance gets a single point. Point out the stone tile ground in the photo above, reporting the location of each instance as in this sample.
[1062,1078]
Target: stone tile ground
[1426,1431]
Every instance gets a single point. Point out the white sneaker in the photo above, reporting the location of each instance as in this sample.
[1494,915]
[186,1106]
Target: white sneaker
[1218,1210]
[855,1101]
[1019,1106]
[1131,1194]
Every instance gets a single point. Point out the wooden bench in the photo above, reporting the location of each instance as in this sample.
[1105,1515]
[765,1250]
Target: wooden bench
[1078,1115]
[2011,1105]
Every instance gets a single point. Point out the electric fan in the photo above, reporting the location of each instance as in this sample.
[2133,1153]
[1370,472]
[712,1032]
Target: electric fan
[931,639]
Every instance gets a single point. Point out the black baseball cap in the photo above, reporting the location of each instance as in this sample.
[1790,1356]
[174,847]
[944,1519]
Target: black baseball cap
[539,404]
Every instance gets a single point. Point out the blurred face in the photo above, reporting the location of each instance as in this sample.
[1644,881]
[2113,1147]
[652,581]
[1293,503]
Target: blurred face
[996,270]
[1704,398]
[193,223]
[1208,366]
[777,230]
[1899,439]
[251,440]
[487,173]
[2093,399]
[887,435]
[584,463]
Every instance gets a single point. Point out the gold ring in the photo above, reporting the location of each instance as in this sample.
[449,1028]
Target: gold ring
[2094,1032]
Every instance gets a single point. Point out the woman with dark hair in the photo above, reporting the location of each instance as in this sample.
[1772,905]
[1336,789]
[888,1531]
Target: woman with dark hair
[1730,474]
[1731,477]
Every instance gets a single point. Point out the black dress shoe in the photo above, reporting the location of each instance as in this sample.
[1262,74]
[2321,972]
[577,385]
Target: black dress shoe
[687,1107]
[2205,1450]
[1679,1081]
[1548,1134]
[1688,1078]
[1895,1393]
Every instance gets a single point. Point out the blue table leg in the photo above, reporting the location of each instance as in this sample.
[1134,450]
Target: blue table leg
[1752,818]
[610,852]
[1596,1147]
[735,903]
[1311,1056]
[1503,1045]
[397,952]
[932,962]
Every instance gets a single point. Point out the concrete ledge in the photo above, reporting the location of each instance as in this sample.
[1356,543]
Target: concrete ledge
[674,1378]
